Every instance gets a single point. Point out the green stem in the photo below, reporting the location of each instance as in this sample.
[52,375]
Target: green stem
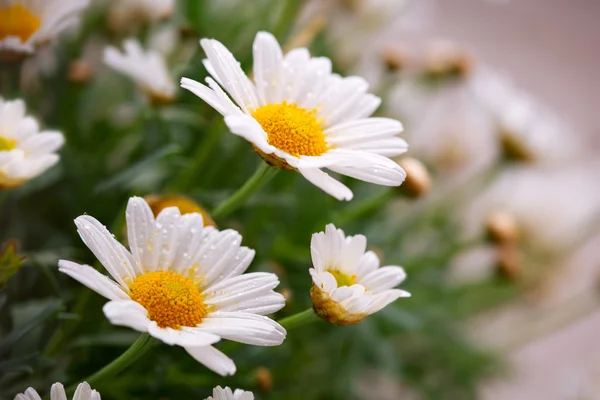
[302,318]
[133,353]
[261,176]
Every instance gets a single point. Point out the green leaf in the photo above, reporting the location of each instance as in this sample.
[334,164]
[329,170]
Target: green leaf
[10,262]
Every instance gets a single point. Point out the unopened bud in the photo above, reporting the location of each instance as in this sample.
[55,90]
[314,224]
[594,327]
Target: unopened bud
[418,180]
[501,227]
[264,379]
[448,60]
[287,295]
[509,262]
[184,204]
[394,59]
[514,148]
[80,71]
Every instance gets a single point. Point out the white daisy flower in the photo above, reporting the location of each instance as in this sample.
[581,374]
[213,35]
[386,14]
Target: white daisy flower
[26,24]
[300,116]
[181,283]
[25,152]
[227,394]
[348,283]
[147,68]
[57,392]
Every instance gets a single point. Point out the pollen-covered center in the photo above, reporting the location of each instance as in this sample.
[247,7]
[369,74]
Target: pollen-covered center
[7,144]
[171,299]
[16,20]
[293,129]
[342,279]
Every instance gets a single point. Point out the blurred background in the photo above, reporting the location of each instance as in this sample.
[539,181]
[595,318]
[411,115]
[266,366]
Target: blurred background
[496,225]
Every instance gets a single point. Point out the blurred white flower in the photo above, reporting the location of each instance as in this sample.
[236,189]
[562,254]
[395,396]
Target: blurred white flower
[25,152]
[528,131]
[124,13]
[182,283]
[26,24]
[348,284]
[300,116]
[552,208]
[57,392]
[147,68]
[227,394]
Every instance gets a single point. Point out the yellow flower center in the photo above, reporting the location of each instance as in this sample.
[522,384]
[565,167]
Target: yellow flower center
[343,279]
[7,144]
[293,129]
[16,20]
[171,299]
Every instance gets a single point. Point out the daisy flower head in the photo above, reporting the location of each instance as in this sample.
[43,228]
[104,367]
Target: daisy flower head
[300,116]
[57,392]
[227,394]
[348,283]
[26,24]
[146,67]
[182,282]
[25,152]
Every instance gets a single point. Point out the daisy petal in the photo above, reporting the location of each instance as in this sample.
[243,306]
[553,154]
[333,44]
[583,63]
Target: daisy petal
[267,56]
[185,337]
[380,300]
[93,279]
[42,143]
[248,128]
[113,256]
[140,232]
[326,183]
[127,313]
[213,359]
[57,392]
[383,278]
[244,328]
[368,262]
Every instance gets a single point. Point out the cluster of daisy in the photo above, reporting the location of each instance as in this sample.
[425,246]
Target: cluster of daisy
[182,281]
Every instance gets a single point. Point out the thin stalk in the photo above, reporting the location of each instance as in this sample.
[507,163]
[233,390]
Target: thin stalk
[132,354]
[261,176]
[302,318]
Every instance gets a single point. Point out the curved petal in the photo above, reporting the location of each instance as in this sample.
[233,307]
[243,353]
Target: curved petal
[185,337]
[383,278]
[42,143]
[247,127]
[140,232]
[380,300]
[57,391]
[368,262]
[230,73]
[127,313]
[167,239]
[267,56]
[207,94]
[212,359]
[190,234]
[113,256]
[355,131]
[244,328]
[83,392]
[326,183]
[93,279]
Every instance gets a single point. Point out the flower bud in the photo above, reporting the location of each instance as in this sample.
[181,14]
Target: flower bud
[264,379]
[394,59]
[509,263]
[185,204]
[287,295]
[80,71]
[514,148]
[447,60]
[418,180]
[501,227]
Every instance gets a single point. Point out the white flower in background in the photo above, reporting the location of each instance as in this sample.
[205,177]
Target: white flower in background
[147,68]
[348,283]
[528,131]
[300,116]
[25,152]
[124,13]
[26,24]
[227,394]
[553,209]
[182,282]
[57,392]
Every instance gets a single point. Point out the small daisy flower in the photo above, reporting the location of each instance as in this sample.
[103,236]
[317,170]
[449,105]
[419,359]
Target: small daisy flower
[25,152]
[300,116]
[57,392]
[227,394]
[26,24]
[147,68]
[348,283]
[182,283]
